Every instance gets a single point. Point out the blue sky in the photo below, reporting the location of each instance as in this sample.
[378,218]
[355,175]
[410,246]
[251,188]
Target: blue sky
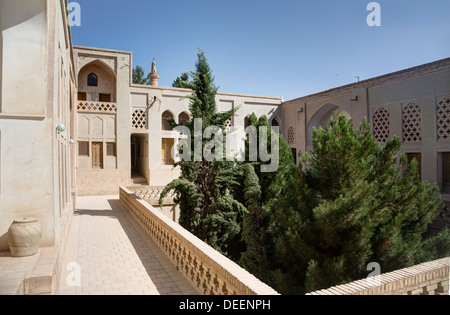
[285,48]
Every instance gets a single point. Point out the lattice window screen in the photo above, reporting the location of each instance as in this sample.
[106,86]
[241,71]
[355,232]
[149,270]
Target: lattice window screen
[291,136]
[381,125]
[443,119]
[412,126]
[139,119]
[97,107]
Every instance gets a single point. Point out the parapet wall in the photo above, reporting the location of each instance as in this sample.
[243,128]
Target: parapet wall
[208,271]
[431,278]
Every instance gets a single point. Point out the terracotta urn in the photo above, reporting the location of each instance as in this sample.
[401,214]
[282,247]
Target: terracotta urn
[24,237]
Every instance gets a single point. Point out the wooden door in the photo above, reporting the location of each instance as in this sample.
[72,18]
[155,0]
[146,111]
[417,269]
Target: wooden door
[166,151]
[446,160]
[294,154]
[97,155]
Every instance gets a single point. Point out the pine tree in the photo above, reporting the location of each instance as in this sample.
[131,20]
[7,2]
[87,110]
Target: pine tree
[207,208]
[352,202]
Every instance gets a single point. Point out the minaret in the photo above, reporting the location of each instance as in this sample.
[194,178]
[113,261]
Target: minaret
[154,76]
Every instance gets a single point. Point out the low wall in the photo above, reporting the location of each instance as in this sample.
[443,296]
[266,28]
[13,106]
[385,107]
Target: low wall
[208,271]
[151,195]
[94,182]
[430,278]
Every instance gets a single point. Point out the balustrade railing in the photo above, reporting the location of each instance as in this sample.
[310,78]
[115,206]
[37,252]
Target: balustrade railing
[97,107]
[208,271]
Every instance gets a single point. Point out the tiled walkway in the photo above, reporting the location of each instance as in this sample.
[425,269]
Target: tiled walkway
[114,255]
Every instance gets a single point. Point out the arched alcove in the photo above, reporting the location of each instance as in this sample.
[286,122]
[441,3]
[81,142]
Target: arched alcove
[246,121]
[275,122]
[321,118]
[97,126]
[97,82]
[83,125]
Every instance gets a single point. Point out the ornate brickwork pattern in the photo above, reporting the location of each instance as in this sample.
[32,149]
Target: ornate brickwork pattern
[412,126]
[97,107]
[430,278]
[151,194]
[208,271]
[139,119]
[381,125]
[443,119]
[291,136]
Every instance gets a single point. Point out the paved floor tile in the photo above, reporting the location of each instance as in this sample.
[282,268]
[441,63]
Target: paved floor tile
[109,253]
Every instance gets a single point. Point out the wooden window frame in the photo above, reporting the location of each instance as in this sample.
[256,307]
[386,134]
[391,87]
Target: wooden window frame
[101,95]
[83,96]
[114,149]
[165,154]
[101,157]
[87,147]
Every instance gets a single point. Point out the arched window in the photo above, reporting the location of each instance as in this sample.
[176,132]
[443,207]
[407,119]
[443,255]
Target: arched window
[165,123]
[275,123]
[183,118]
[92,80]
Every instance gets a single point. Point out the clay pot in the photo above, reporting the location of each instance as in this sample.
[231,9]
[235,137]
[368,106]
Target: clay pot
[24,237]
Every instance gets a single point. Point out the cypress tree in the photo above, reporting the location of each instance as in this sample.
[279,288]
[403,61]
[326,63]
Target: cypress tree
[259,193]
[207,208]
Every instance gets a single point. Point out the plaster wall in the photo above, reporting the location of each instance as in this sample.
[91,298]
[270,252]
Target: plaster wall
[26,175]
[24,37]
[36,87]
[426,91]
[426,86]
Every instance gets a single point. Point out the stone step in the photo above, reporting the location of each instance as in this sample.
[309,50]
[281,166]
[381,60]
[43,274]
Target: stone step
[139,180]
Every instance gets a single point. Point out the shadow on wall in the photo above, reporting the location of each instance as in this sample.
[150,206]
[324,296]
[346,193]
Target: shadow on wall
[34,8]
